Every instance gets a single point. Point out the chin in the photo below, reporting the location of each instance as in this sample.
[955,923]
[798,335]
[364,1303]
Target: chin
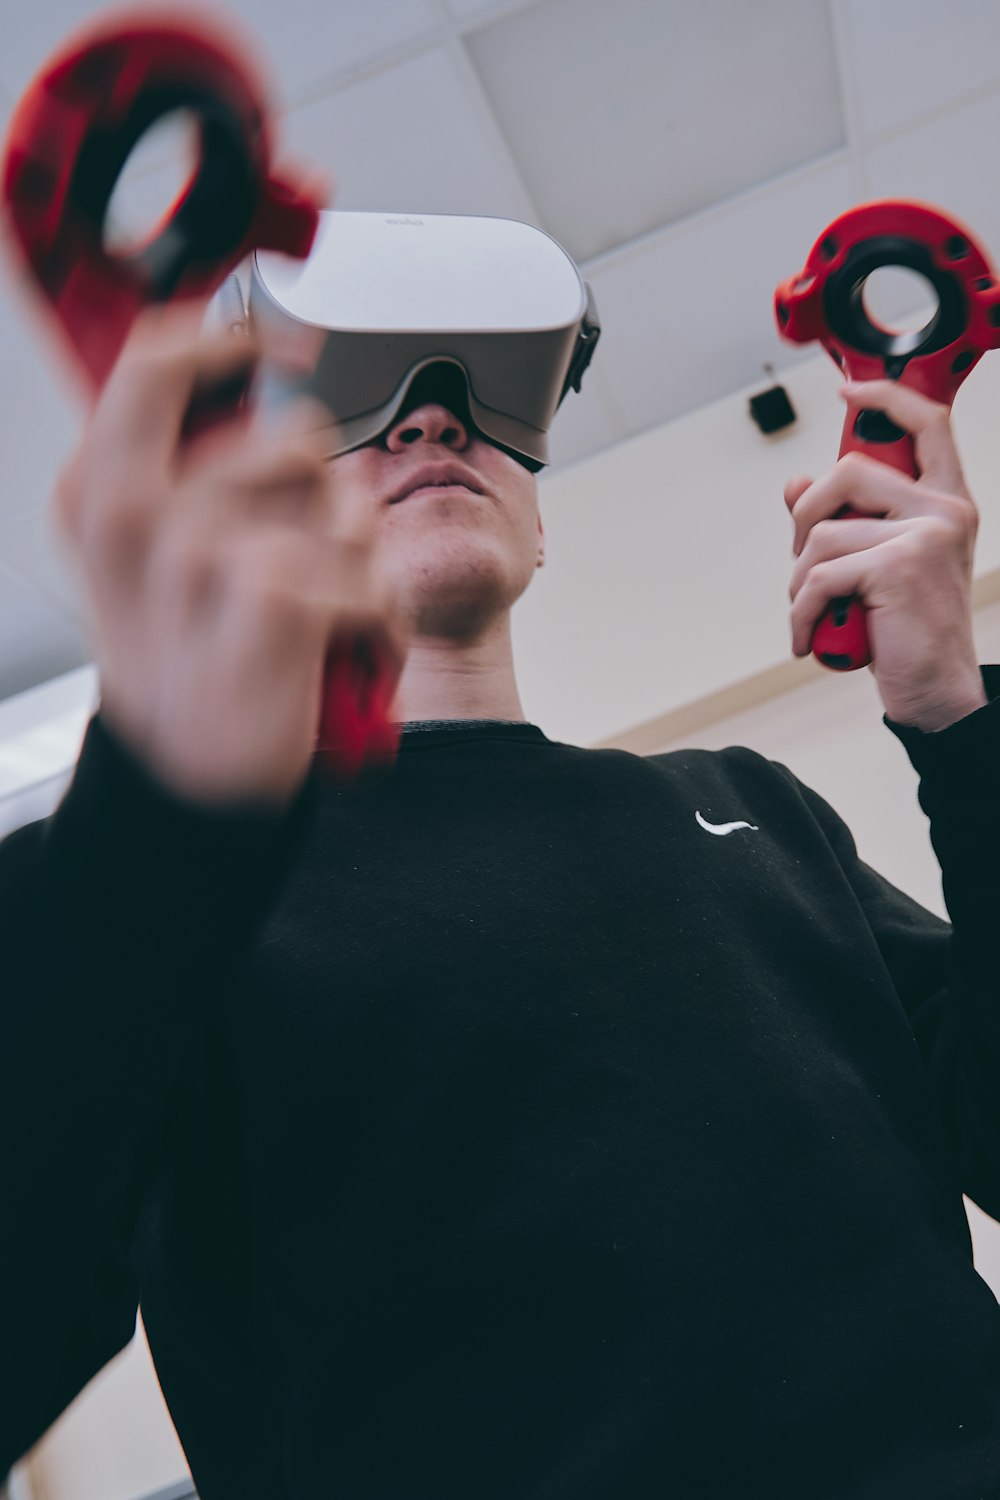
[456,592]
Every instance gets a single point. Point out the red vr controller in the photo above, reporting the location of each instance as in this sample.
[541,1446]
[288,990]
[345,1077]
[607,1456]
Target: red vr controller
[825,301]
[69,139]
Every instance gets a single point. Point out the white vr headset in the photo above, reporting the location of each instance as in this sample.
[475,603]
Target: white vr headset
[487,314]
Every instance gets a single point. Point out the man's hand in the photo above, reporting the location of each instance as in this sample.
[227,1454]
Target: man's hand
[219,571]
[909,561]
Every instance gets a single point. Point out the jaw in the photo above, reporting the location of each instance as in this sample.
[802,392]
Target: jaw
[452,582]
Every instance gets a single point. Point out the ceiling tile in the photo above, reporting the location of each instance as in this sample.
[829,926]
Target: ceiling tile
[306,44]
[624,118]
[301,44]
[464,11]
[408,140]
[36,642]
[908,59]
[687,316]
[951,164]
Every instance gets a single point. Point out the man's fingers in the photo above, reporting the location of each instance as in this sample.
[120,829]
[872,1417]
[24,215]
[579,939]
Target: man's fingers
[277,480]
[355,512]
[322,586]
[927,421]
[142,408]
[868,487]
[865,485]
[838,578]
[795,489]
[838,539]
[304,422]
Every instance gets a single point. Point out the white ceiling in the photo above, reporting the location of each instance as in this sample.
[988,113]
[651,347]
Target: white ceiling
[608,107]
[687,154]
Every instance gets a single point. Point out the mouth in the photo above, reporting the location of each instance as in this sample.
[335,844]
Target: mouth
[437,480]
[437,489]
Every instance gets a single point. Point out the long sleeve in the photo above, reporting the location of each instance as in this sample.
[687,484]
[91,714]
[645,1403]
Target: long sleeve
[124,915]
[947,976]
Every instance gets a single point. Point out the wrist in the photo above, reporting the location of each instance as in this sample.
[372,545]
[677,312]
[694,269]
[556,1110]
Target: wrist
[933,715]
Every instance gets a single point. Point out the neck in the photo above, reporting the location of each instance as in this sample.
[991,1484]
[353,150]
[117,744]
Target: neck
[448,679]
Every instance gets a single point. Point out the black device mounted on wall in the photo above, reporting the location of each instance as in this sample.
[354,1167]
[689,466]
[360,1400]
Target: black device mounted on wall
[772,410]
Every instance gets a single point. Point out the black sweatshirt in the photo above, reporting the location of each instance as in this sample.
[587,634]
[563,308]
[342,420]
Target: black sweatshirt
[508,1129]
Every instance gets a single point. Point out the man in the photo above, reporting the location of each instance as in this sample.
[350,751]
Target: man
[533,1121]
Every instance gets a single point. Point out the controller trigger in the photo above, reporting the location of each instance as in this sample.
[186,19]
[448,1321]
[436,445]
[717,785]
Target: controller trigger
[875,427]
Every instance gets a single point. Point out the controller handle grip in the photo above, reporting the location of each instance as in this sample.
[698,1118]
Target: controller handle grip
[355,730]
[840,640]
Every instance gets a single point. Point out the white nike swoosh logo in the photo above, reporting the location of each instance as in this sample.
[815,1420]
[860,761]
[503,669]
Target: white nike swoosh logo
[721,828]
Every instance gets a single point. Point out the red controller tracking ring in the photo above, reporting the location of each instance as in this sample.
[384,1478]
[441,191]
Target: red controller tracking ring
[69,139]
[825,302]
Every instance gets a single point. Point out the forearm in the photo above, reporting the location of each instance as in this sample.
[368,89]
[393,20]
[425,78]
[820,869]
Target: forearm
[122,915]
[125,917]
[959,791]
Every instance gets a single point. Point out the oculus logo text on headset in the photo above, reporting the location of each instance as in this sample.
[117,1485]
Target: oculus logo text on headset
[488,315]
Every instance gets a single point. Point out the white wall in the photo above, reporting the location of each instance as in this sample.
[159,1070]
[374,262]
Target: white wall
[669,555]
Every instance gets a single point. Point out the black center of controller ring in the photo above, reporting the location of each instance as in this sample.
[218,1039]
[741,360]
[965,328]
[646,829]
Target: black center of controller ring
[848,319]
[218,207]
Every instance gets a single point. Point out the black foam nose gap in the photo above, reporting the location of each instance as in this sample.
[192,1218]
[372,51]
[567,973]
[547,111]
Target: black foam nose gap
[447,385]
[444,385]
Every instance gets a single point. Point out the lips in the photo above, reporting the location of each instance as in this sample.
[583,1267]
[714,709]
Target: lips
[436,475]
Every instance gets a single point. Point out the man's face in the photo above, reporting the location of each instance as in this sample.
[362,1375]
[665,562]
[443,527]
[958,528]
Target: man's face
[459,534]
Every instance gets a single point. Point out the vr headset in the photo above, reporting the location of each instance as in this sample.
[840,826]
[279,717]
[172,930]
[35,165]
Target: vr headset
[489,316]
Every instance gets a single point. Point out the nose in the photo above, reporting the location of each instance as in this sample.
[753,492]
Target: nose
[429,423]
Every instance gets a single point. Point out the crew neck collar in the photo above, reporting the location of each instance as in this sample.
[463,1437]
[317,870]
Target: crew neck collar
[415,732]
